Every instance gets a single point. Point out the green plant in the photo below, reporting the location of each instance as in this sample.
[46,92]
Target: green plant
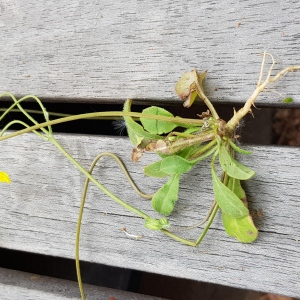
[193,141]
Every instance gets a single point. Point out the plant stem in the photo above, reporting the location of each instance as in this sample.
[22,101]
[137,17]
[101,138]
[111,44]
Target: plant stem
[178,238]
[97,183]
[17,103]
[103,114]
[210,220]
[185,142]
[208,104]
[201,95]
[82,203]
[237,117]
[203,150]
[198,241]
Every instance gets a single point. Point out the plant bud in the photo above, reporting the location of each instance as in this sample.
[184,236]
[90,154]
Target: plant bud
[155,224]
[189,86]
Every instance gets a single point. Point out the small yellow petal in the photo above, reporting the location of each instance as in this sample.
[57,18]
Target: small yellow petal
[4,177]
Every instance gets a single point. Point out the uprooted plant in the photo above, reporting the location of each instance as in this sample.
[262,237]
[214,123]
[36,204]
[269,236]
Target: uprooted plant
[181,144]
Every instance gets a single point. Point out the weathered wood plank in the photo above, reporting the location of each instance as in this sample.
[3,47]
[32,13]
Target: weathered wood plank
[39,209]
[15,285]
[139,49]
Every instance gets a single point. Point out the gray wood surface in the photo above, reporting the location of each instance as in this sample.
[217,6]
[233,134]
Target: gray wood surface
[39,209]
[102,51]
[15,285]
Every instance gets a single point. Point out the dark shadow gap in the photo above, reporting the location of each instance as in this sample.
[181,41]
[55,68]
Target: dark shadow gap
[256,130]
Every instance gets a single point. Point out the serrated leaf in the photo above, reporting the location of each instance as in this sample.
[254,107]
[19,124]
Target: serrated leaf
[157,126]
[227,200]
[232,167]
[164,199]
[135,131]
[242,229]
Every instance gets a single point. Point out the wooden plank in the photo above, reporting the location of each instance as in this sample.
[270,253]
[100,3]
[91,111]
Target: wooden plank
[39,210]
[138,49]
[15,285]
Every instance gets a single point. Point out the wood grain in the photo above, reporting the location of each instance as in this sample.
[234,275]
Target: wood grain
[39,210]
[15,285]
[115,50]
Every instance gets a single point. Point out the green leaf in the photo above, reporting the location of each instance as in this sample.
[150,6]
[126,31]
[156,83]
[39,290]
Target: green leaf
[164,199]
[189,151]
[242,229]
[227,200]
[207,153]
[157,126]
[169,165]
[135,131]
[232,167]
[192,129]
[175,164]
[238,149]
[154,170]
[288,100]
[235,186]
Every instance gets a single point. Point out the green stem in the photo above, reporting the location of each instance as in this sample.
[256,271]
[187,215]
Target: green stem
[82,203]
[203,150]
[25,125]
[103,114]
[178,238]
[207,102]
[210,220]
[97,183]
[35,111]
[185,142]
[199,240]
[17,103]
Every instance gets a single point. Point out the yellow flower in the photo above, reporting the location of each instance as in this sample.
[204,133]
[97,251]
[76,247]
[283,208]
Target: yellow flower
[4,177]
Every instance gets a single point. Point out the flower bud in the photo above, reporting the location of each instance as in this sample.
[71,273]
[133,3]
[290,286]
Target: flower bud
[155,224]
[189,86]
